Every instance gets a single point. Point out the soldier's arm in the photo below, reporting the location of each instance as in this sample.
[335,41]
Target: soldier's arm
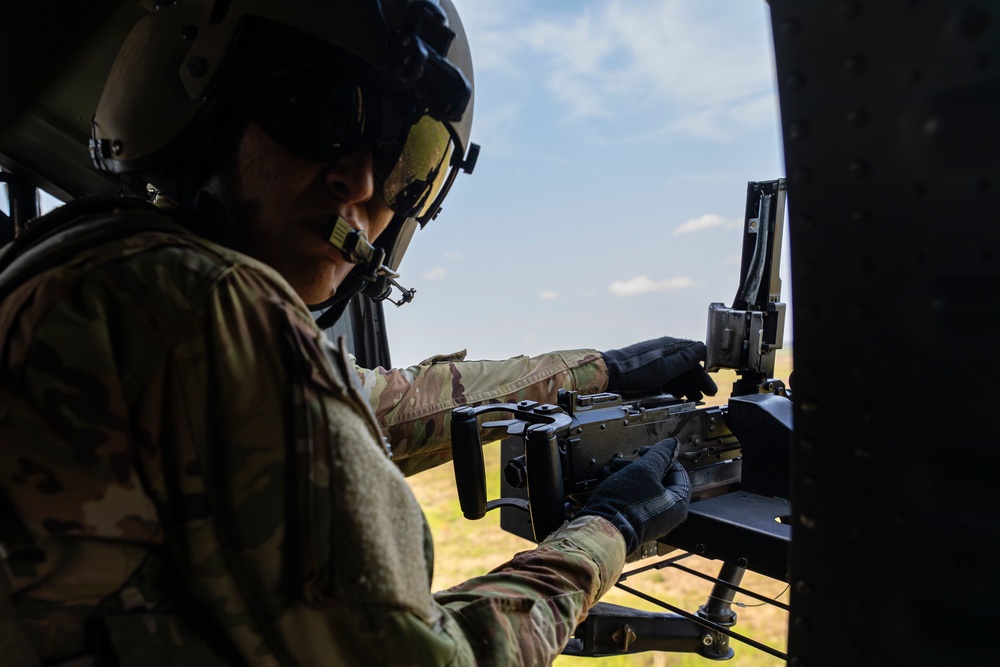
[524,611]
[414,404]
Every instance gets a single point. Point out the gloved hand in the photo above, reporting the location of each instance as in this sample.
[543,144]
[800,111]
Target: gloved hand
[646,499]
[668,364]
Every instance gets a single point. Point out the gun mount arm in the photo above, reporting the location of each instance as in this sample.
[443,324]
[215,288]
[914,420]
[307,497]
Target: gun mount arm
[746,336]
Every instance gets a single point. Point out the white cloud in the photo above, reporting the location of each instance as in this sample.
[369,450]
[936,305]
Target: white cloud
[700,224]
[548,295]
[437,273]
[702,67]
[644,285]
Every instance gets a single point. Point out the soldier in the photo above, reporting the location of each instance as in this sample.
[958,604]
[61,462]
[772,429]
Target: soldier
[194,474]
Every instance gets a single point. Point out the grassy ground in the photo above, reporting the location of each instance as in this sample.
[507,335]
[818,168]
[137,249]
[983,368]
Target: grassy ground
[466,549]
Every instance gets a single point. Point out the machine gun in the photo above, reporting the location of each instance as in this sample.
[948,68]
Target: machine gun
[737,456]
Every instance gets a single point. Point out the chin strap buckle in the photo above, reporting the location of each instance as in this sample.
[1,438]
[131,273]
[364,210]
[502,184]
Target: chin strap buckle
[405,294]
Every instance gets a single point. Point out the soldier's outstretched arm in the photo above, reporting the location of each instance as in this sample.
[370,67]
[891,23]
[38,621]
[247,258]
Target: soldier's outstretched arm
[413,405]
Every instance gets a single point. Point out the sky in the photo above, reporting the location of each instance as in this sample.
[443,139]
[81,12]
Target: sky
[618,137]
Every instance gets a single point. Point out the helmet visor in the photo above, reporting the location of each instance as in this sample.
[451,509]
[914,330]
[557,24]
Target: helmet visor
[414,184]
[323,114]
[315,113]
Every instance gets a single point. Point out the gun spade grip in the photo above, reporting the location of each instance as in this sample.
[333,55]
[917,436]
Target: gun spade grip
[467,457]
[545,483]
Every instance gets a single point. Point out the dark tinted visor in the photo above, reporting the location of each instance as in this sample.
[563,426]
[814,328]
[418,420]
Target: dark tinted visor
[322,114]
[414,183]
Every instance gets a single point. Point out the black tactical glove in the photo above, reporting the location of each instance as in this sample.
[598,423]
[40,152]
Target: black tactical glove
[666,364]
[646,499]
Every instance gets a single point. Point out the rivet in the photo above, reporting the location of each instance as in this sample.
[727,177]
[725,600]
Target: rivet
[790,27]
[855,65]
[851,10]
[802,176]
[858,117]
[862,217]
[860,168]
[795,81]
[196,66]
[797,130]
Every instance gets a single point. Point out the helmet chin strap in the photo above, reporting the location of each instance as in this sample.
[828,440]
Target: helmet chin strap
[354,246]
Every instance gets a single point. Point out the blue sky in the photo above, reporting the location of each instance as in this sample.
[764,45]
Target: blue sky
[618,138]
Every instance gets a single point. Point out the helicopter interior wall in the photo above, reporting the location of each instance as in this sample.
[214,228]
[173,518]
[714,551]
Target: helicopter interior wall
[888,113]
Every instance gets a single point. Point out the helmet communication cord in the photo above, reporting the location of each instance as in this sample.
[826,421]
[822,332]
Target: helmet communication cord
[354,245]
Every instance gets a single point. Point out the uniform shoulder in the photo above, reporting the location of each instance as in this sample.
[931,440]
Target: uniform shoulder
[130,252]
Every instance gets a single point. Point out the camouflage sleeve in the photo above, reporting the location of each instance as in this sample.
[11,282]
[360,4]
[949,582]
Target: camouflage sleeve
[524,612]
[414,404]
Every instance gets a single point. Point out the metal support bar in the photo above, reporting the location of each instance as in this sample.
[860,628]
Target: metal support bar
[719,609]
[611,629]
[23,199]
[704,623]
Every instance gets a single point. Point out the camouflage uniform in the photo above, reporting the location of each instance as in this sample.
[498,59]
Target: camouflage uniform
[414,405]
[203,483]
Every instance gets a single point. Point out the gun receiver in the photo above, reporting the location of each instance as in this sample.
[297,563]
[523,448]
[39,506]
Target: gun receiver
[737,455]
[555,455]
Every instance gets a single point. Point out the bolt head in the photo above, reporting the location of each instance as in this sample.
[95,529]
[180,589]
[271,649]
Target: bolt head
[196,66]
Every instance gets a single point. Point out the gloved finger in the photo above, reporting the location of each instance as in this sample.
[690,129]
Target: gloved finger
[693,384]
[678,481]
[651,364]
[672,444]
[660,457]
[688,355]
[682,387]
[704,382]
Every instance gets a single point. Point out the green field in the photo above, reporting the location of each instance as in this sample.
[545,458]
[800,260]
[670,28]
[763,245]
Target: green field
[465,549]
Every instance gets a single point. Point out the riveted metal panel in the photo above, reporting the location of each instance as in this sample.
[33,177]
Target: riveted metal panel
[890,112]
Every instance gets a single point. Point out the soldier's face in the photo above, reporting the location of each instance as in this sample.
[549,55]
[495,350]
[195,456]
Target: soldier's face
[284,203]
